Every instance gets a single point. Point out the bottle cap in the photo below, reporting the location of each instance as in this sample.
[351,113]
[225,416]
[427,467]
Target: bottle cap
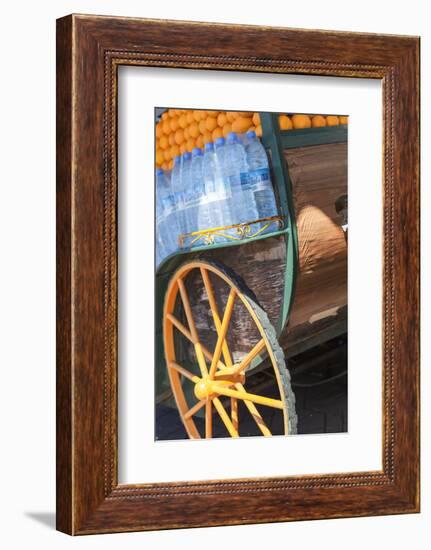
[209,146]
[232,137]
[159,172]
[197,152]
[220,141]
[187,155]
[251,134]
[177,159]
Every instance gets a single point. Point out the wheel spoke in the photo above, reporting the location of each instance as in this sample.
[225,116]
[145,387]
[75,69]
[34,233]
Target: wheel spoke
[178,324]
[215,314]
[183,371]
[188,335]
[234,412]
[194,409]
[210,356]
[208,420]
[191,322]
[250,356]
[245,396]
[187,309]
[255,413]
[223,330]
[225,417]
[201,359]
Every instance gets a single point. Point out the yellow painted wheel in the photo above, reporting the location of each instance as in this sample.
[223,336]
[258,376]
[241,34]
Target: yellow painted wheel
[207,308]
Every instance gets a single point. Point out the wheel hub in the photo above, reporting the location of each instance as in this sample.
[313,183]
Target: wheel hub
[203,388]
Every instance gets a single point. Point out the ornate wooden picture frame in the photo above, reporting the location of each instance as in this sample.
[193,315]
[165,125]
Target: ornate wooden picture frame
[89,51]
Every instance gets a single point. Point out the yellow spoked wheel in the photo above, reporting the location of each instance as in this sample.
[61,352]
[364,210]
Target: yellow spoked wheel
[215,333]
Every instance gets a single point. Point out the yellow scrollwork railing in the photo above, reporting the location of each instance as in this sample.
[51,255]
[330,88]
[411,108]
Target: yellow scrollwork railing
[229,233]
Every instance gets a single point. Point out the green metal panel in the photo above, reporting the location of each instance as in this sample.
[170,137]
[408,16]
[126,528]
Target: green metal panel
[306,137]
[272,141]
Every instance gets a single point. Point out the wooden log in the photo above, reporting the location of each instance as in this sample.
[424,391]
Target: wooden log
[319,180]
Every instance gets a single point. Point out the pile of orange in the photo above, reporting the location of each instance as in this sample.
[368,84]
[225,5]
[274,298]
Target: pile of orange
[181,130]
[295,121]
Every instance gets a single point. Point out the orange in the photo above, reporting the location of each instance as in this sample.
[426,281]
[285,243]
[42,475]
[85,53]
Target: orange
[186,133]
[332,120]
[207,137]
[202,126]
[200,141]
[218,132]
[182,121]
[183,148]
[301,121]
[171,113]
[344,119]
[285,122]
[211,124]
[190,145]
[160,157]
[221,119]
[165,166]
[241,124]
[190,117]
[259,130]
[227,129]
[213,114]
[256,119]
[231,116]
[175,151]
[179,136]
[197,115]
[170,164]
[171,138]
[163,142]
[174,124]
[167,154]
[165,115]
[194,130]
[159,130]
[166,127]
[318,121]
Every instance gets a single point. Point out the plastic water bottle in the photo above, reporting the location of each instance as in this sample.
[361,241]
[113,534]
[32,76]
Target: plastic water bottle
[220,149]
[259,177]
[214,210]
[243,204]
[161,248]
[168,228]
[196,192]
[166,223]
[178,194]
[186,186]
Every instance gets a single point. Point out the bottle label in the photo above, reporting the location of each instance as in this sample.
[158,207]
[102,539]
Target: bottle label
[168,204]
[245,179]
[258,178]
[179,199]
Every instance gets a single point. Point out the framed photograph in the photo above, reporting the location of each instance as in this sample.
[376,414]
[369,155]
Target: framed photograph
[237,274]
